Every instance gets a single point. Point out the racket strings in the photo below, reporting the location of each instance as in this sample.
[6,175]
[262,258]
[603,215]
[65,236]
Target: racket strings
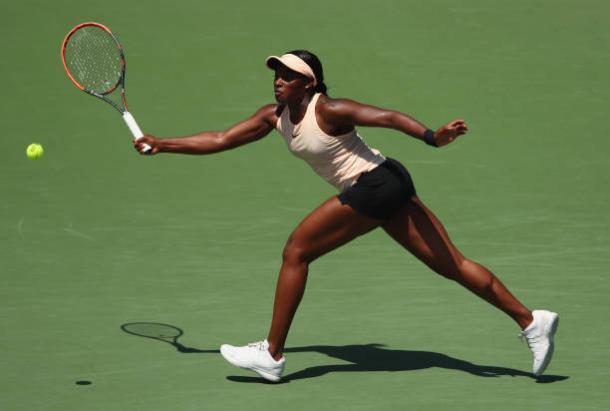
[94,59]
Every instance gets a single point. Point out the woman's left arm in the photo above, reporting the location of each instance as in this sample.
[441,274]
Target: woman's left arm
[346,113]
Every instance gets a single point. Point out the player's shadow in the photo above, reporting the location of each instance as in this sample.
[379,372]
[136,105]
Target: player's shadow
[360,358]
[375,357]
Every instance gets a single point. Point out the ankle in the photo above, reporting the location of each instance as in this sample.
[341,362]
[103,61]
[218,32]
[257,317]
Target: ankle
[525,319]
[275,352]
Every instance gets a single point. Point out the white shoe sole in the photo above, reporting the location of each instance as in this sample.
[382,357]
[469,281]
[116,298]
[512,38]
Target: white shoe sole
[266,375]
[549,355]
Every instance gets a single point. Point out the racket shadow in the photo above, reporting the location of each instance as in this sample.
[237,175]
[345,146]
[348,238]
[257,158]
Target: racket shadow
[162,332]
[375,357]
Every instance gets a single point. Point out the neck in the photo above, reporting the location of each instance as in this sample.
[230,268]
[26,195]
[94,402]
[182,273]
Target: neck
[300,107]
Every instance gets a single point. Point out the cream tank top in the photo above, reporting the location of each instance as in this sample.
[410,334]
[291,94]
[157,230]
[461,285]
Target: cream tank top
[340,160]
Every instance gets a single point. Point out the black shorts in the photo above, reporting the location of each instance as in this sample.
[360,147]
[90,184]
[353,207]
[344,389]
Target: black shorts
[381,192]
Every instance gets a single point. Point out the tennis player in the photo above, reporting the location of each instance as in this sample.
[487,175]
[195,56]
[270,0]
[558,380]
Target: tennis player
[375,191]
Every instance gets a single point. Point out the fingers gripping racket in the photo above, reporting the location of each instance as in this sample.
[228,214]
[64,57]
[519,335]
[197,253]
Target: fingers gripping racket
[94,61]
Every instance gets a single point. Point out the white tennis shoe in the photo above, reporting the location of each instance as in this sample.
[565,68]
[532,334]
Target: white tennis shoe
[256,357]
[539,336]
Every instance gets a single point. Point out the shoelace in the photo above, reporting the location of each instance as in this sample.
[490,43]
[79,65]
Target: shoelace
[531,341]
[259,345]
[523,337]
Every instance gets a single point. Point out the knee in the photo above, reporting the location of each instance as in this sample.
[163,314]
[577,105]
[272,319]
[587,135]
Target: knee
[295,252]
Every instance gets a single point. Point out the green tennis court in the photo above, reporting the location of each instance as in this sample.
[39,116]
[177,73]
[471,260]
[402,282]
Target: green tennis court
[94,236]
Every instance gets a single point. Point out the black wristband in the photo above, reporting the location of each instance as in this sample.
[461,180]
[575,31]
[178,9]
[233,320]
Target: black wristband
[429,137]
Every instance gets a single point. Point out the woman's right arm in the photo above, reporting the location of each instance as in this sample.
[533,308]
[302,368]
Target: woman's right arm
[207,142]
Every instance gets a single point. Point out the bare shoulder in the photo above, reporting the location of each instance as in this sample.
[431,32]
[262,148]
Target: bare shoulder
[329,103]
[336,106]
[333,114]
[269,113]
[336,110]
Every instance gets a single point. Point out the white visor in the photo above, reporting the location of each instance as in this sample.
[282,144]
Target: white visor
[294,63]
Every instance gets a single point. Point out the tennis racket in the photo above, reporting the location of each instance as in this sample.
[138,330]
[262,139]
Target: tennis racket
[95,63]
[162,332]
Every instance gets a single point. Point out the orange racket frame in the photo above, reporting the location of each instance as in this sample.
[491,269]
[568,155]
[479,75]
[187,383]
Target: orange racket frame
[127,117]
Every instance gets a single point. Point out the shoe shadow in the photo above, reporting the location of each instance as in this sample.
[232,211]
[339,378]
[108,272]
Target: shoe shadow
[375,357]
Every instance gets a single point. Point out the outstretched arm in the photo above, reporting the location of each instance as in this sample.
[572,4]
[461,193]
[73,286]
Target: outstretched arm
[349,113]
[254,128]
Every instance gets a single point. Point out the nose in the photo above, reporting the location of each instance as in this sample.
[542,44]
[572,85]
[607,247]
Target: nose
[277,81]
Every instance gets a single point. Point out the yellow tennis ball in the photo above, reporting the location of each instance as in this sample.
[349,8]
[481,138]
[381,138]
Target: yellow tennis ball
[34,151]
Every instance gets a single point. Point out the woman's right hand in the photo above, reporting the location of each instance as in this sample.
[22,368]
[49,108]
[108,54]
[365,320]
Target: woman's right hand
[149,141]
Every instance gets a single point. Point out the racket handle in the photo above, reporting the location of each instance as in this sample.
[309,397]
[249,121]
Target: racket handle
[135,129]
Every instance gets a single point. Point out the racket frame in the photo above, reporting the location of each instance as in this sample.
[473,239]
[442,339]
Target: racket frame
[127,117]
[120,83]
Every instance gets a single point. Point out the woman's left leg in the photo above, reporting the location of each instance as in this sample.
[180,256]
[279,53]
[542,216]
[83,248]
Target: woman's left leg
[418,230]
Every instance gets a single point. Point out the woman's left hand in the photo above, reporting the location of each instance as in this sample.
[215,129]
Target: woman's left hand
[449,132]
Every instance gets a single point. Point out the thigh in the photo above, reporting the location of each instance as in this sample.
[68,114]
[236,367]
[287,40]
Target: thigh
[418,230]
[329,226]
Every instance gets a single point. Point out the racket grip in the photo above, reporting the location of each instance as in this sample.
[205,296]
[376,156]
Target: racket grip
[135,129]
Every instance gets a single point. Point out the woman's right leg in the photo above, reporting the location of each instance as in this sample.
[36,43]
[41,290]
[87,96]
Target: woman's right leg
[329,226]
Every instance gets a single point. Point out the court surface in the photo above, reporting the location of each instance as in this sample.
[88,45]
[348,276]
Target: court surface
[94,236]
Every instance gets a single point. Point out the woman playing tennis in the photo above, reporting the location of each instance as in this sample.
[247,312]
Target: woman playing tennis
[375,191]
